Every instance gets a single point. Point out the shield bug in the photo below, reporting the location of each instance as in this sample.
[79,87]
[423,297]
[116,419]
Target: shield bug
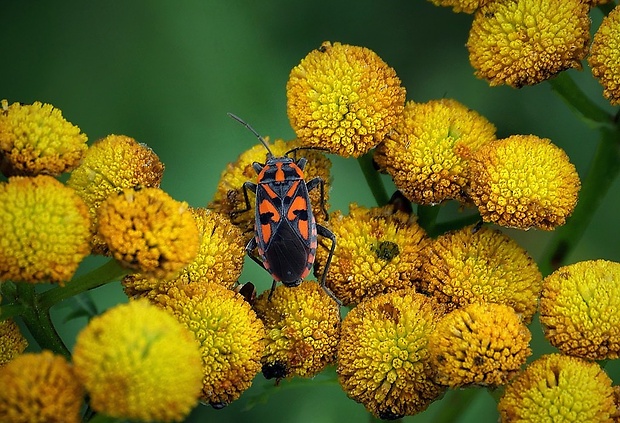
[285,228]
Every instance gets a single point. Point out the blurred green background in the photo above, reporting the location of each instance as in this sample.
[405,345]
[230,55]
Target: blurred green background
[166,73]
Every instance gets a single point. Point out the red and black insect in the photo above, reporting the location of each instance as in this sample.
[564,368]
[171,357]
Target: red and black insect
[285,228]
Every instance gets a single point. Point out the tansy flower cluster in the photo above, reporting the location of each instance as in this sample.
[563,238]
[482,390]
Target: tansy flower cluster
[427,310]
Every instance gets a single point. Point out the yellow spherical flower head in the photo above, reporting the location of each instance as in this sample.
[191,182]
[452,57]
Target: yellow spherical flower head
[138,362]
[424,153]
[229,198]
[344,99]
[377,250]
[523,181]
[303,328]
[36,139]
[466,6]
[110,165]
[40,387]
[484,266]
[45,230]
[480,344]
[148,231]
[604,58]
[229,333]
[559,388]
[524,42]
[580,309]
[383,357]
[219,259]
[12,342]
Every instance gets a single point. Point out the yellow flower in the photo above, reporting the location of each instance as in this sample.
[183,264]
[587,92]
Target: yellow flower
[229,199]
[377,250]
[148,231]
[39,387]
[523,181]
[524,42]
[580,309]
[484,266]
[36,139]
[219,259]
[481,344]
[559,388]
[424,153]
[303,328]
[110,165]
[229,333]
[45,230]
[12,342]
[604,56]
[137,362]
[467,6]
[344,99]
[383,357]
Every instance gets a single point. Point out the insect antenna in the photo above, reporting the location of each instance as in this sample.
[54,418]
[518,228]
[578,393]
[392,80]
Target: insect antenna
[247,125]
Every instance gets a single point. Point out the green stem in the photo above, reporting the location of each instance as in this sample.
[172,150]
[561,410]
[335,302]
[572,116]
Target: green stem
[603,170]
[108,272]
[577,100]
[373,179]
[12,310]
[39,322]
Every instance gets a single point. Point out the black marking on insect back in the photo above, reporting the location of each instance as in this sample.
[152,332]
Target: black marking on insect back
[287,255]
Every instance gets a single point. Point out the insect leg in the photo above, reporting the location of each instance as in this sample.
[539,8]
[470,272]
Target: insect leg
[323,231]
[246,186]
[273,287]
[313,183]
[249,250]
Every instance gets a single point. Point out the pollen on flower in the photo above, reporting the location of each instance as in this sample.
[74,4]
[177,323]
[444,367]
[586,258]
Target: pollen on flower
[45,230]
[481,344]
[302,329]
[12,342]
[383,357]
[230,200]
[219,259]
[524,42]
[487,266]
[580,309]
[137,362]
[604,58]
[378,250]
[40,387]
[424,153]
[556,387]
[344,99]
[36,139]
[148,231]
[523,181]
[110,165]
[229,333]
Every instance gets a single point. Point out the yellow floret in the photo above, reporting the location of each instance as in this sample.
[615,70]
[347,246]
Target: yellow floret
[523,181]
[45,230]
[524,42]
[36,139]
[604,56]
[344,99]
[425,154]
[580,309]
[303,328]
[137,362]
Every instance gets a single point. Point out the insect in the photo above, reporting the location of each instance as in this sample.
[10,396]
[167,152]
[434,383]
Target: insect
[285,228]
